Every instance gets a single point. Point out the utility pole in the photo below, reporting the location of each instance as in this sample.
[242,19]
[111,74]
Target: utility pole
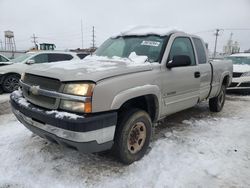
[82,33]
[93,38]
[34,40]
[216,38]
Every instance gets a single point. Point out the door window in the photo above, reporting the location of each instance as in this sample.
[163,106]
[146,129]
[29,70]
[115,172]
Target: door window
[182,46]
[41,58]
[201,53]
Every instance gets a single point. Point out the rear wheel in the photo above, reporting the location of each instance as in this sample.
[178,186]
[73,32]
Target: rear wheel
[11,83]
[216,104]
[132,135]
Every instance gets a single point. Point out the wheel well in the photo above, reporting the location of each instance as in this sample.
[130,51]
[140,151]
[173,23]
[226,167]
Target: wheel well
[226,81]
[148,103]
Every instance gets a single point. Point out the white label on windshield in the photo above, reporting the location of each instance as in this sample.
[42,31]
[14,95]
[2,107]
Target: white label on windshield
[150,43]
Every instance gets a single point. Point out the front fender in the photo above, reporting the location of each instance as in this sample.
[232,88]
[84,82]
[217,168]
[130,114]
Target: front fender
[134,92]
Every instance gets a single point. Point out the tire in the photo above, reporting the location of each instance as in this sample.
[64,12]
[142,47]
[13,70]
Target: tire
[11,83]
[216,104]
[132,136]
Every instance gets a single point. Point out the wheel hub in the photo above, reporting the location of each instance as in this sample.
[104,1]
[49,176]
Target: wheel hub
[136,137]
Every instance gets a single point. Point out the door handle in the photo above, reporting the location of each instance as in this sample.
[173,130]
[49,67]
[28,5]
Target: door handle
[197,74]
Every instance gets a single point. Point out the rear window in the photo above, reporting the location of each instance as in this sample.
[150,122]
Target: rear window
[201,53]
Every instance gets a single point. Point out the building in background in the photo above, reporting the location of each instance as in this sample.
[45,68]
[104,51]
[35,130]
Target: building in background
[231,47]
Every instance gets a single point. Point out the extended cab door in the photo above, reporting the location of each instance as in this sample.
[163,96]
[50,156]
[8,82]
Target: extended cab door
[204,67]
[180,85]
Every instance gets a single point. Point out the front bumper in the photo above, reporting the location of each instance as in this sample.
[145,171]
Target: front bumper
[87,134]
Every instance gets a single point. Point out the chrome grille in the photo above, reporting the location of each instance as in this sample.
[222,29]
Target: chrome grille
[44,83]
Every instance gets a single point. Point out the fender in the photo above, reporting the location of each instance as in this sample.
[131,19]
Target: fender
[134,92]
[227,73]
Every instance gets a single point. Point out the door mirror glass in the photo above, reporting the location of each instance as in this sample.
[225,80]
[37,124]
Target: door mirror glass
[30,61]
[179,61]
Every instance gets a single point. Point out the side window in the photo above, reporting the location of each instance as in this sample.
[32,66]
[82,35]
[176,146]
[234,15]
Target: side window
[201,53]
[182,46]
[59,57]
[41,58]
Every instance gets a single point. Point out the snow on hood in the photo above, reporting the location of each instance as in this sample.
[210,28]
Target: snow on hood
[146,30]
[92,68]
[241,68]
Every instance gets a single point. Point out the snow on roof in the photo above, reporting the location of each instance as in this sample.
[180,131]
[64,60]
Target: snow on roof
[147,30]
[241,55]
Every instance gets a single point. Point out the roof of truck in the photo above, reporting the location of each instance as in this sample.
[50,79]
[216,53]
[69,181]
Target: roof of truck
[147,30]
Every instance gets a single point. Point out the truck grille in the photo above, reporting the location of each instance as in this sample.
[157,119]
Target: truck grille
[237,74]
[44,83]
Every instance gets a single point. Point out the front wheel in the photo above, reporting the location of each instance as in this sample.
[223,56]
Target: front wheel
[11,83]
[133,136]
[216,104]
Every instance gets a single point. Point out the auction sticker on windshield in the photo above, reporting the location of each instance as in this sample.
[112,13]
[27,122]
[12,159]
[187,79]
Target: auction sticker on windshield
[150,43]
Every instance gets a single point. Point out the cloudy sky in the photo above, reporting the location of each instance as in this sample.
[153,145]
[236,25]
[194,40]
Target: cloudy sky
[59,21]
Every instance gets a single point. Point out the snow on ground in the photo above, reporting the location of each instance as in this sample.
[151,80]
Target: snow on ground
[194,148]
[4,104]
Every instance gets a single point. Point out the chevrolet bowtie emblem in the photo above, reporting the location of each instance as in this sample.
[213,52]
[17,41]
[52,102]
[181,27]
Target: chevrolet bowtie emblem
[34,90]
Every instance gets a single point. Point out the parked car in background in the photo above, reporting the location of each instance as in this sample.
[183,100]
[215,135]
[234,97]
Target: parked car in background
[134,80]
[11,71]
[241,73]
[3,60]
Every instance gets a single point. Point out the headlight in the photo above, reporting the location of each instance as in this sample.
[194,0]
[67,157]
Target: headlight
[245,74]
[79,89]
[82,89]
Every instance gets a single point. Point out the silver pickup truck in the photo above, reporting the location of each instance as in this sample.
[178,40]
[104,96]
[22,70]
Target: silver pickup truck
[113,98]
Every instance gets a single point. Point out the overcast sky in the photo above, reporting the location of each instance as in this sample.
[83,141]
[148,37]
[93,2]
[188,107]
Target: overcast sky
[59,21]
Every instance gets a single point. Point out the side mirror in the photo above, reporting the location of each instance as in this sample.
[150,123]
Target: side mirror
[30,61]
[179,61]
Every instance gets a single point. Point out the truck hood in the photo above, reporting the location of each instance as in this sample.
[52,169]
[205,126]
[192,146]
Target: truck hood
[241,68]
[88,69]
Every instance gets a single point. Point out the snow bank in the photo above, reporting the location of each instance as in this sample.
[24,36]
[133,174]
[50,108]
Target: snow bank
[146,30]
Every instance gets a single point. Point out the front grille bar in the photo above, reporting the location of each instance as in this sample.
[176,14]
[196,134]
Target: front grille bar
[35,90]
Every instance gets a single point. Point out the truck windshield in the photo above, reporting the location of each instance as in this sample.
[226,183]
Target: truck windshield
[240,60]
[150,46]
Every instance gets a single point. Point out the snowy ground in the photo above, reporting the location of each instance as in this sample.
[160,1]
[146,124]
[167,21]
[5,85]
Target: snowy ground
[194,148]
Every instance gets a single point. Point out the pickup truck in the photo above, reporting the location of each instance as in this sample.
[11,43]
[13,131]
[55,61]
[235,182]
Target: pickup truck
[113,99]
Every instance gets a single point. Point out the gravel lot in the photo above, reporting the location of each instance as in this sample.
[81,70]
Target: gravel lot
[194,148]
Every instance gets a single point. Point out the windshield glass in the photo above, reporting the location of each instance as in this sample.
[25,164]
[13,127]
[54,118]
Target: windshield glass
[240,60]
[150,46]
[22,58]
